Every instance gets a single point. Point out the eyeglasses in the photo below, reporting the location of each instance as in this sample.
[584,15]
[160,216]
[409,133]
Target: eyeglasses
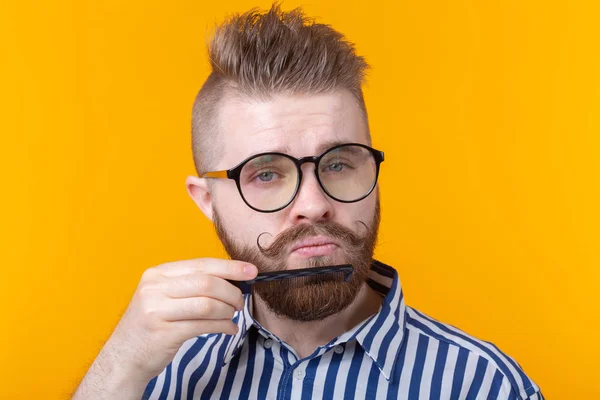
[269,182]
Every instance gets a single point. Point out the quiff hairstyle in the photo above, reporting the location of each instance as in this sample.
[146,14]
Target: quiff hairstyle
[259,54]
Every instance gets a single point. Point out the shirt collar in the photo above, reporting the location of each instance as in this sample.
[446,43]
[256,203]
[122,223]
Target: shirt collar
[244,321]
[380,336]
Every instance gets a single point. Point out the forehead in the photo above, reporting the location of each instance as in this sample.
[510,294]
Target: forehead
[298,124]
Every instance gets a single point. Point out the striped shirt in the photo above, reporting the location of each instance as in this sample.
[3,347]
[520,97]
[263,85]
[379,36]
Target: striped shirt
[398,353]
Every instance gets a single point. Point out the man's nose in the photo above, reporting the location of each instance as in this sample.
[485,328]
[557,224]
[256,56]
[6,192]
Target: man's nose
[311,204]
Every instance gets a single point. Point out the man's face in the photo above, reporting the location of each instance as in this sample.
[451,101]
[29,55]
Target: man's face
[314,230]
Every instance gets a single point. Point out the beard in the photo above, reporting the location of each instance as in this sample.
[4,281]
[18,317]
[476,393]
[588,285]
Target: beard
[318,297]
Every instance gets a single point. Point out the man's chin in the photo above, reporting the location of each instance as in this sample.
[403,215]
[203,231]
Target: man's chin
[313,301]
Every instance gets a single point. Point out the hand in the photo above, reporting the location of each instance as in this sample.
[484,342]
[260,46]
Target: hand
[175,302]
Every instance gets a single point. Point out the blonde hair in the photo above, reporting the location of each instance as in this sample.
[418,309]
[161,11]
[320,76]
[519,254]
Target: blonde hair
[259,54]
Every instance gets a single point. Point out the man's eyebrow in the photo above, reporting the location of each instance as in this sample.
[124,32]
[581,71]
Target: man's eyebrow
[286,149]
[277,149]
[320,148]
[326,145]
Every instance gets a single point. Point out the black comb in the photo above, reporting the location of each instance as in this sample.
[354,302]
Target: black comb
[328,273]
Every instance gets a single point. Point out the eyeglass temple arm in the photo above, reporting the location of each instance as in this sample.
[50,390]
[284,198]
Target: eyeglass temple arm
[215,174]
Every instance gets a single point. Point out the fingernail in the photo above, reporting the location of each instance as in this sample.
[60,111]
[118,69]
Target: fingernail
[250,270]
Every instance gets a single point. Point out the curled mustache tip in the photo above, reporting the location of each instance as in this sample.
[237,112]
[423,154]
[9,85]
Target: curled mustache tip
[260,247]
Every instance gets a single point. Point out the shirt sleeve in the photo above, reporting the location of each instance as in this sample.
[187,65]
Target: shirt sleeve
[536,396]
[514,395]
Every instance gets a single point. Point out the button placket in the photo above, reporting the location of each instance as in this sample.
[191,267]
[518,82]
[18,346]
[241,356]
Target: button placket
[300,373]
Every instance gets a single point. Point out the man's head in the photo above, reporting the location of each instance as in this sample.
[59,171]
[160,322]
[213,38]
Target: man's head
[282,83]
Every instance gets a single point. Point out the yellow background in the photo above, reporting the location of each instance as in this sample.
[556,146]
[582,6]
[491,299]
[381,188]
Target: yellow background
[488,112]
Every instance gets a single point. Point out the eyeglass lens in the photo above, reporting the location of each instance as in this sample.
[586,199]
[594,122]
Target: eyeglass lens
[347,173]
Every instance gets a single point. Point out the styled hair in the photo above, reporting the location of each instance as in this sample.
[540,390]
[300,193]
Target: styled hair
[259,54]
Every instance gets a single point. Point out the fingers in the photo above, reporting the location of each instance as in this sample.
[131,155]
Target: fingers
[200,284]
[196,308]
[226,269]
[175,302]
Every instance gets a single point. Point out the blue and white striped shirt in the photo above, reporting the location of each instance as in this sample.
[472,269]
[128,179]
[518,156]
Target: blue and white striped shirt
[398,353]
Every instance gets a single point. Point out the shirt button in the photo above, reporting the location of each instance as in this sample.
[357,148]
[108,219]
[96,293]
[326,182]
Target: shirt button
[300,374]
[339,349]
[268,343]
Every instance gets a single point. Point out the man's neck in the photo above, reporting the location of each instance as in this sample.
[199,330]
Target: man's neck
[305,337]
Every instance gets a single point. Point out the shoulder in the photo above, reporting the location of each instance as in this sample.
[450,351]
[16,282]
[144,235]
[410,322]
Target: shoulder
[458,341]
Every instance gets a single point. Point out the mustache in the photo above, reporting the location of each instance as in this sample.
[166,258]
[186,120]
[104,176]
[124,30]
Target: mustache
[304,231]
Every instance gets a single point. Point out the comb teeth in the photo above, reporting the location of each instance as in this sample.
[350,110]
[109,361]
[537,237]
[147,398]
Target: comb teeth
[291,282]
[281,280]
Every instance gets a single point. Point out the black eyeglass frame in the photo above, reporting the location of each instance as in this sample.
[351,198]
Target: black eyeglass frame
[235,172]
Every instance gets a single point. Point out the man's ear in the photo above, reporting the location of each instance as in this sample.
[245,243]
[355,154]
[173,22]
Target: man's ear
[198,190]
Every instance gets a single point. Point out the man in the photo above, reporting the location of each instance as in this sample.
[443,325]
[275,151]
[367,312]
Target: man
[288,176]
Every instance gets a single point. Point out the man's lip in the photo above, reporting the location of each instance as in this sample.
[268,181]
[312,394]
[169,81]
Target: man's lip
[314,241]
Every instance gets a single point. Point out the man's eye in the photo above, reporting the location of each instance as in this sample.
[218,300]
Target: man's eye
[266,176]
[336,167]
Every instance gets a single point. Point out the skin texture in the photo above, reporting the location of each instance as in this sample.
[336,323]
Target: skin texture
[299,125]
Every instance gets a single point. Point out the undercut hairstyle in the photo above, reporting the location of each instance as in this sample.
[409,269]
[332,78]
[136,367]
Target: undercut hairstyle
[260,54]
